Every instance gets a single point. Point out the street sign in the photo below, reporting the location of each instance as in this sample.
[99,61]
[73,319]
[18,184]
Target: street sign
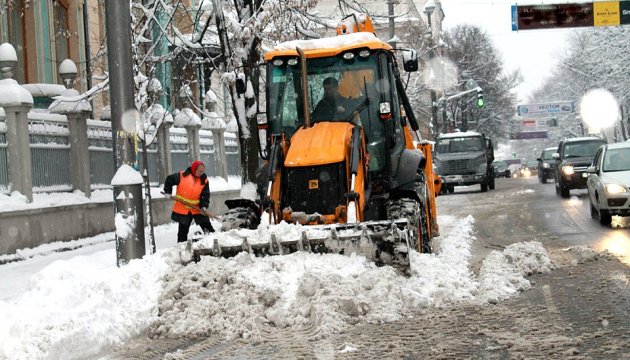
[525,135]
[606,13]
[560,107]
[550,16]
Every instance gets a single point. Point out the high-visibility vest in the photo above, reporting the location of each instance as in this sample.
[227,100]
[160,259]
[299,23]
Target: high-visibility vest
[189,191]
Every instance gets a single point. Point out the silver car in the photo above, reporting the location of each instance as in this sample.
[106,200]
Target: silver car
[608,182]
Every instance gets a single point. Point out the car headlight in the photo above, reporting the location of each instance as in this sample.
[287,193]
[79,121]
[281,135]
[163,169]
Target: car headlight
[568,170]
[546,166]
[615,189]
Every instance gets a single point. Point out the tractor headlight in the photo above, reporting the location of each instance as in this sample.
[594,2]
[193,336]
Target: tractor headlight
[546,166]
[568,170]
[615,189]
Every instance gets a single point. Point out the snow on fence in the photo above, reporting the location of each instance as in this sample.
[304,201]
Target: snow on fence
[50,153]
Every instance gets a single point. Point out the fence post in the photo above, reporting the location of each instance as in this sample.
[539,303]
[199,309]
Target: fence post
[187,119]
[214,123]
[165,162]
[76,112]
[194,148]
[16,102]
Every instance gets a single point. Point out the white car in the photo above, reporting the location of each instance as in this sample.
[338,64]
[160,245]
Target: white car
[608,182]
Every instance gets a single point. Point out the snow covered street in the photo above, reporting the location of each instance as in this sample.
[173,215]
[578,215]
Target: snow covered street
[80,304]
[77,304]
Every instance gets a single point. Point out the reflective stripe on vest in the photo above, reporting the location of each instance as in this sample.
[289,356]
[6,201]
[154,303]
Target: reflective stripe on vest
[188,190]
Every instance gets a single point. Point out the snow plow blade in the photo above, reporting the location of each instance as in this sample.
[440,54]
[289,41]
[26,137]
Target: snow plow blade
[384,242]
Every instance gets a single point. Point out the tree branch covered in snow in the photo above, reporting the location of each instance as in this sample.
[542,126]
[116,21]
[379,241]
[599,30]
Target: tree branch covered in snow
[595,58]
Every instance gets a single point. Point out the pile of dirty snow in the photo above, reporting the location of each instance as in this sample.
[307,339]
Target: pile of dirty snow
[241,296]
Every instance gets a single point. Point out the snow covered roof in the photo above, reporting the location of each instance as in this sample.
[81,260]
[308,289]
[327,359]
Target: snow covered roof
[619,145]
[334,45]
[459,134]
[585,138]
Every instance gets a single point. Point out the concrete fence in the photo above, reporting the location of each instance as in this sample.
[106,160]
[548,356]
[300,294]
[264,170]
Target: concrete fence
[33,227]
[51,163]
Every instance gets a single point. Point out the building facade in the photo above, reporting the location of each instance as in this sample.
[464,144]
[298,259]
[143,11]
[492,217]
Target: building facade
[44,33]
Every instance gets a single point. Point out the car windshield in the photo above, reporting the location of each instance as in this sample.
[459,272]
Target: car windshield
[548,153]
[582,148]
[617,160]
[459,144]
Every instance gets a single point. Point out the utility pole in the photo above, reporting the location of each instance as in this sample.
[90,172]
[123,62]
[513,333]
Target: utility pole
[390,13]
[129,212]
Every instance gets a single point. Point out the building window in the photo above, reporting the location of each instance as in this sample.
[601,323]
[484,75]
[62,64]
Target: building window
[62,31]
[17,34]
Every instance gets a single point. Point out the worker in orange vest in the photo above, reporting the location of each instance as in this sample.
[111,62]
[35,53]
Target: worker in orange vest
[193,190]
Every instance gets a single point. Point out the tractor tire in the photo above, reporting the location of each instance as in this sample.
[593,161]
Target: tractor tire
[543,179]
[412,210]
[491,184]
[565,193]
[239,218]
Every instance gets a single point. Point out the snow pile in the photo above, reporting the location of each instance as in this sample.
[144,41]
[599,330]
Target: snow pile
[77,307]
[503,273]
[238,297]
[523,192]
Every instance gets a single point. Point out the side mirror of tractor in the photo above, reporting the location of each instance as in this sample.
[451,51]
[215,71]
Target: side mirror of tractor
[410,60]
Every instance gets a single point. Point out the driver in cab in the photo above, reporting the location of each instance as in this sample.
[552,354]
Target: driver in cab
[333,106]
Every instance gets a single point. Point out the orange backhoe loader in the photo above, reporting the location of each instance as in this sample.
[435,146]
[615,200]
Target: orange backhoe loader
[343,153]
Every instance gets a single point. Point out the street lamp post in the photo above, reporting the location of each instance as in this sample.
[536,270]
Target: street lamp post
[429,7]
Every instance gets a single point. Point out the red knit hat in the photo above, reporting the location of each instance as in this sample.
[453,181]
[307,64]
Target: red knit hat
[195,165]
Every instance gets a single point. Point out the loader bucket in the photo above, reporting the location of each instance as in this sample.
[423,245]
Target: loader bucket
[384,242]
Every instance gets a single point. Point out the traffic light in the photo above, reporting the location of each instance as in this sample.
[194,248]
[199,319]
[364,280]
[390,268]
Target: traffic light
[480,101]
[513,155]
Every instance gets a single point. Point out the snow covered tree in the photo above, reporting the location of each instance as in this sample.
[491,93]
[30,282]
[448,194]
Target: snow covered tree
[595,58]
[472,50]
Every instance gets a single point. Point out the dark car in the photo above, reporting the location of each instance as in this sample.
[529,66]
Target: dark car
[545,164]
[500,169]
[528,168]
[574,156]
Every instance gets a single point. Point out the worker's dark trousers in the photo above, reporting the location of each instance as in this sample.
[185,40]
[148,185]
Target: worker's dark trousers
[184,226]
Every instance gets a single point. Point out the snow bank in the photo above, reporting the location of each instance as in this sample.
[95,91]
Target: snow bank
[502,273]
[79,306]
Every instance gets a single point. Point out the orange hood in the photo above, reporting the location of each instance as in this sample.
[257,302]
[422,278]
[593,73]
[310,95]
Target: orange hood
[323,143]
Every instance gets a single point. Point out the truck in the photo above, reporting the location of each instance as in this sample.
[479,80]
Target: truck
[357,177]
[464,158]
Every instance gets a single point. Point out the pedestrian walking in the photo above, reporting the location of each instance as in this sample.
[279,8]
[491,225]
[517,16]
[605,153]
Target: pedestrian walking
[191,200]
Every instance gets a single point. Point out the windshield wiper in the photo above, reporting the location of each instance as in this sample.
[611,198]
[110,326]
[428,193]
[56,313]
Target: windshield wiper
[362,106]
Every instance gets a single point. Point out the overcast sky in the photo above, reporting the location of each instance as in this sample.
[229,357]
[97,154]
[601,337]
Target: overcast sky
[533,51]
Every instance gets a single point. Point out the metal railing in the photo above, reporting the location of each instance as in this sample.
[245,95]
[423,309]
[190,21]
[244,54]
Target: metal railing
[50,153]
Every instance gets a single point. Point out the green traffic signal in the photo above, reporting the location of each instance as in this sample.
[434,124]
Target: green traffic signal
[480,102]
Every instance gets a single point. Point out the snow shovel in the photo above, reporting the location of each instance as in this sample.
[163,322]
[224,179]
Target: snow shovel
[187,256]
[205,213]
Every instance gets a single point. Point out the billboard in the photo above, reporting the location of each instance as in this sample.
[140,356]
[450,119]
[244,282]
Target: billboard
[551,16]
[546,109]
